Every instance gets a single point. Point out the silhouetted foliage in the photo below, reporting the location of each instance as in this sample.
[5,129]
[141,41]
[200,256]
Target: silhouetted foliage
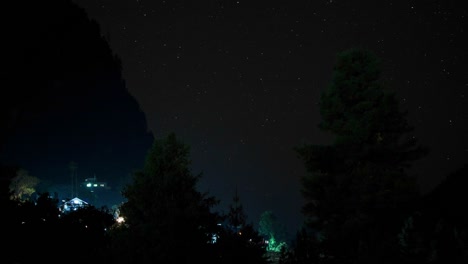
[304,249]
[236,216]
[437,231]
[357,190]
[238,241]
[88,229]
[167,220]
[35,230]
[10,216]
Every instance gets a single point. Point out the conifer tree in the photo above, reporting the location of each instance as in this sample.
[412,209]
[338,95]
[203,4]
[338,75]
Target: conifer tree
[238,241]
[167,220]
[357,188]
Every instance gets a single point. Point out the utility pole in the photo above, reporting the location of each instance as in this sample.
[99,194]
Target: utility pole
[74,179]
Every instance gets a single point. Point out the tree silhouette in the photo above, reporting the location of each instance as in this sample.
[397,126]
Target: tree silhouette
[87,228]
[238,241]
[167,220]
[357,188]
[437,231]
[236,216]
[35,230]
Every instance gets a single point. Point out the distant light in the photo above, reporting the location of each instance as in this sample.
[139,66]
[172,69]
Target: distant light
[214,238]
[95,185]
[120,219]
[88,185]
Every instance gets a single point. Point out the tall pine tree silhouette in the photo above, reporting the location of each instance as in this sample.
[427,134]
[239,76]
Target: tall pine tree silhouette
[357,189]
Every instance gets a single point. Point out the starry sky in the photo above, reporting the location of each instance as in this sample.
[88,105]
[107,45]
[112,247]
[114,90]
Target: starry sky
[239,81]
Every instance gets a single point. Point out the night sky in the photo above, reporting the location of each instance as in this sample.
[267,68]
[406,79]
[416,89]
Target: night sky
[239,81]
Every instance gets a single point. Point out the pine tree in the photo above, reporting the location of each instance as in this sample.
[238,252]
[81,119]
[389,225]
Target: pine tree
[238,241]
[236,216]
[167,220]
[357,188]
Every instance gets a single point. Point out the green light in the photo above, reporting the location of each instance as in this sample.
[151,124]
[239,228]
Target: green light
[274,246]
